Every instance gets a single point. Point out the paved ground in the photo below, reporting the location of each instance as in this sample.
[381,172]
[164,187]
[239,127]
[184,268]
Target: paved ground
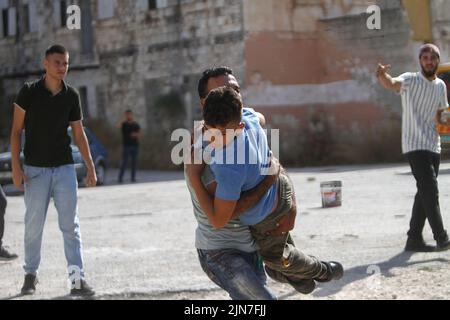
[139,239]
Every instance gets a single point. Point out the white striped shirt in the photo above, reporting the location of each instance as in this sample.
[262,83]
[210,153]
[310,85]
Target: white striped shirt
[421,100]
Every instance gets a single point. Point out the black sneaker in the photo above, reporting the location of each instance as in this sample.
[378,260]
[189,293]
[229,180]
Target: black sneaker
[5,255]
[304,286]
[335,271]
[443,244]
[414,245]
[29,285]
[81,289]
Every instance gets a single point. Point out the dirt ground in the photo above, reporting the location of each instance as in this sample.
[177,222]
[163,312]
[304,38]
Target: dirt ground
[139,239]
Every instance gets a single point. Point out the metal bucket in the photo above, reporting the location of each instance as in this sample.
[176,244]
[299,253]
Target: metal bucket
[331,194]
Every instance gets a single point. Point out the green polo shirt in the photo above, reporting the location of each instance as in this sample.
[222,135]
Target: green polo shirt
[47,117]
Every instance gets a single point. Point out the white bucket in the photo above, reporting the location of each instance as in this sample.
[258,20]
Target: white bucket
[331,194]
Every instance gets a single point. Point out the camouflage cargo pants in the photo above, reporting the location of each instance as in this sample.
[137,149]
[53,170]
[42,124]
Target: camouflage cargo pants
[279,252]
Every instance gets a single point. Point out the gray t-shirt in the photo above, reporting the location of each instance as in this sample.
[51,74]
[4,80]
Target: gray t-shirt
[233,235]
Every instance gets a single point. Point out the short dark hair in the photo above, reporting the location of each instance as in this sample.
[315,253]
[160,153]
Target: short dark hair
[208,74]
[222,106]
[128,111]
[57,48]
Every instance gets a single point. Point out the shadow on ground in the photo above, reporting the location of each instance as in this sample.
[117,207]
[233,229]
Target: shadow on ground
[358,273]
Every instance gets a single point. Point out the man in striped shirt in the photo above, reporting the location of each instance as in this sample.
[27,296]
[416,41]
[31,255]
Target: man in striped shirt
[424,98]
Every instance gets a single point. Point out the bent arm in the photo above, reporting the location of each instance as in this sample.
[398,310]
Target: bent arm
[386,80]
[251,197]
[439,118]
[218,211]
[389,83]
[248,198]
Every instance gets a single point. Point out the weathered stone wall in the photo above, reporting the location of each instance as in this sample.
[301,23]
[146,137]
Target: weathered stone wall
[440,14]
[151,62]
[140,59]
[312,69]
[21,55]
[165,50]
[308,65]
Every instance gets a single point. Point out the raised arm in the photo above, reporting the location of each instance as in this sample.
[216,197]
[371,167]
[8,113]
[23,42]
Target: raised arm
[138,133]
[386,80]
[220,212]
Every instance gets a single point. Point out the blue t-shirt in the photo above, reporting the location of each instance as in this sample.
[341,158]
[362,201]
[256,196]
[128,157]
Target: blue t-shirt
[242,165]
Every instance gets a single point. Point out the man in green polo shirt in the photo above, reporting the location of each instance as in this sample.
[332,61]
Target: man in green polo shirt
[45,109]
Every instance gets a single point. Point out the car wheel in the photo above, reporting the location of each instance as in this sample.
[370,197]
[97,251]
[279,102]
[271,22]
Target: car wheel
[100,170]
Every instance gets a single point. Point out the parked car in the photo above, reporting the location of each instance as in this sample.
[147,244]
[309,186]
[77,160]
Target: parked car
[99,155]
[444,131]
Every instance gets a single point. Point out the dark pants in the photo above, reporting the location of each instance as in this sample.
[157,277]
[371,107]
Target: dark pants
[129,152]
[425,168]
[2,214]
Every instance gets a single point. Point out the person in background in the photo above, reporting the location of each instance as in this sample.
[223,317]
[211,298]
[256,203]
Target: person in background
[131,134]
[424,98]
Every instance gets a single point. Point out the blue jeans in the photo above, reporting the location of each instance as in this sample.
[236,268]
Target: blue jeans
[129,152]
[239,273]
[61,184]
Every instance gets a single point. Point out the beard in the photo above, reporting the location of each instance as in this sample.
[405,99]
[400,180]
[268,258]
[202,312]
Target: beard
[429,73]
